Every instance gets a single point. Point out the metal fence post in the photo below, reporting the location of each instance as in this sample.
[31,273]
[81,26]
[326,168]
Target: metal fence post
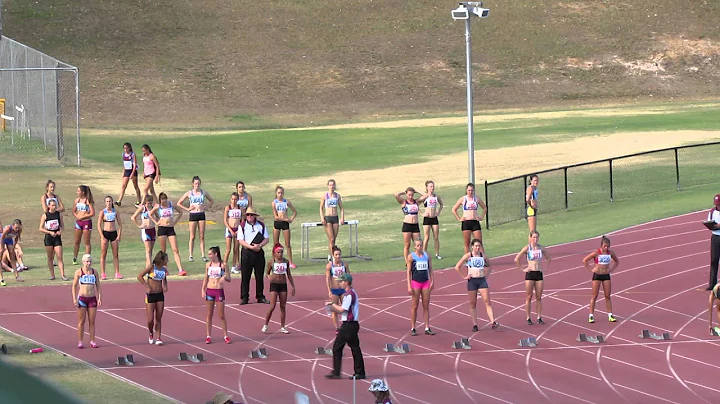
[524,206]
[566,188]
[612,190]
[487,205]
[677,169]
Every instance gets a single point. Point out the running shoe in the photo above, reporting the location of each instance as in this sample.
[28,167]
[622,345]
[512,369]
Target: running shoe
[265,329]
[80,345]
[137,204]
[118,203]
[529,322]
[151,340]
[227,339]
[611,318]
[495,325]
[208,340]
[235,270]
[429,331]
[65,278]
[118,276]
[158,342]
[93,344]
[284,330]
[540,321]
[182,272]
[191,259]
[103,276]
[75,261]
[2,283]
[413,332]
[204,259]
[475,328]
[591,319]
[438,256]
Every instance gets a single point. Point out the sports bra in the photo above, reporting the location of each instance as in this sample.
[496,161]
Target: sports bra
[336,271]
[476,265]
[431,202]
[331,201]
[166,212]
[146,212]
[470,205]
[109,216]
[197,199]
[281,206]
[234,213]
[534,194]
[243,203]
[602,259]
[279,268]
[82,206]
[410,208]
[51,198]
[11,233]
[215,272]
[534,255]
[128,160]
[88,279]
[158,275]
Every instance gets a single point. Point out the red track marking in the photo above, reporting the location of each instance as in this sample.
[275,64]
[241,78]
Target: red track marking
[662,263]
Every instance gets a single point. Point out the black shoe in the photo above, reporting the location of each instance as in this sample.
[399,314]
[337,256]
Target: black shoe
[413,332]
[243,302]
[530,322]
[540,321]
[333,376]
[475,328]
[264,300]
[495,325]
[709,288]
[429,331]
[357,377]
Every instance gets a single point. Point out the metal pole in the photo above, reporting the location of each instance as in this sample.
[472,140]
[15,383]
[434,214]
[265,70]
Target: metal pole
[354,382]
[77,114]
[471,135]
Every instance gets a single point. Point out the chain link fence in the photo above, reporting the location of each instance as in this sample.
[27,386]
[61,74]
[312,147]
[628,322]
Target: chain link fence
[39,108]
[604,180]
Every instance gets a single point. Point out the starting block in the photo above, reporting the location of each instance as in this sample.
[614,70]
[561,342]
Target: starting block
[322,351]
[595,340]
[647,334]
[126,360]
[462,344]
[402,349]
[259,354]
[192,358]
[528,342]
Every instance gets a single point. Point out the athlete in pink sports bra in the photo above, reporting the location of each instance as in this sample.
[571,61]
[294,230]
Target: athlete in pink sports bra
[151,172]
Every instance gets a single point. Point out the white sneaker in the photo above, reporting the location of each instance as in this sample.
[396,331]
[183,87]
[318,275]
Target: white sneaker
[158,342]
[151,341]
[234,270]
[284,330]
[265,329]
[191,259]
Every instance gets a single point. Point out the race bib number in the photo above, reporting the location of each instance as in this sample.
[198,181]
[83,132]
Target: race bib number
[158,275]
[52,225]
[215,272]
[604,259]
[128,165]
[421,266]
[338,272]
[87,279]
[477,262]
[280,269]
[431,202]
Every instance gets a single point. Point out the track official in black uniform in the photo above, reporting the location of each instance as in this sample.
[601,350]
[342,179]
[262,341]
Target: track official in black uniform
[253,236]
[348,334]
[714,216]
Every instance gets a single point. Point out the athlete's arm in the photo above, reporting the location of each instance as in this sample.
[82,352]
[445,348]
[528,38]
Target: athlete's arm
[97,290]
[143,273]
[290,278]
[225,219]
[408,273]
[441,205]
[62,226]
[75,284]
[528,195]
[42,226]
[101,215]
[43,203]
[587,259]
[431,274]
[119,225]
[135,215]
[205,281]
[182,199]
[547,257]
[616,259]
[520,254]
[322,209]
[400,200]
[460,263]
[60,206]
[209,199]
[275,212]
[228,278]
[484,208]
[294,211]
[328,277]
[342,210]
[455,208]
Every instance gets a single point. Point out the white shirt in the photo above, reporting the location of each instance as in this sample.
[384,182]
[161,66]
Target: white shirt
[714,215]
[248,231]
[350,304]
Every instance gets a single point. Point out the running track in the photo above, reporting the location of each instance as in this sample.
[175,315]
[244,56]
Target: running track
[659,286]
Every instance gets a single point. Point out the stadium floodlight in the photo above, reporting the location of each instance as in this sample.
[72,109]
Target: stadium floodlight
[465,11]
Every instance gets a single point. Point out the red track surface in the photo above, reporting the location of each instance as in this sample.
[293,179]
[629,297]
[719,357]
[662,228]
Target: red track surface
[659,286]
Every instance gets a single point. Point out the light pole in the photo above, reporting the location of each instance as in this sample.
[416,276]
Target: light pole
[465,11]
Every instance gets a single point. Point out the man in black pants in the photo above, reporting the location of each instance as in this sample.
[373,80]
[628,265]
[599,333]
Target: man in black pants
[714,216]
[253,236]
[348,334]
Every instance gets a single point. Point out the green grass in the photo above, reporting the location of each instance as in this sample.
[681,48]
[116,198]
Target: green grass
[71,375]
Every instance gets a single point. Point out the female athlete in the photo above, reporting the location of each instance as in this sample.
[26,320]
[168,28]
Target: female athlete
[155,288]
[151,172]
[433,207]
[146,226]
[50,195]
[86,297]
[52,225]
[278,273]
[477,272]
[334,270]
[197,199]
[232,217]
[280,208]
[332,215]
[11,236]
[84,211]
[130,172]
[601,275]
[531,199]
[534,253]
[213,291]
[110,229]
[410,227]
[470,220]
[166,228]
[421,280]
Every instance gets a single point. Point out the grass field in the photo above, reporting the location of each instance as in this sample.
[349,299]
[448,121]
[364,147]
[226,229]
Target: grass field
[314,152]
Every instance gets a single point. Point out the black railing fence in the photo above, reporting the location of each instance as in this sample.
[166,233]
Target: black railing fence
[611,179]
